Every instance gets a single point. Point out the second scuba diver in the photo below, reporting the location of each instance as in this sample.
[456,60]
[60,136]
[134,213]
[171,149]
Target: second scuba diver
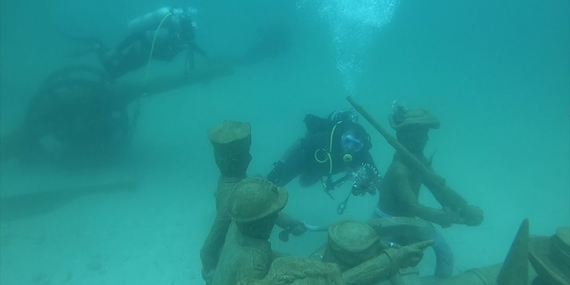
[165,33]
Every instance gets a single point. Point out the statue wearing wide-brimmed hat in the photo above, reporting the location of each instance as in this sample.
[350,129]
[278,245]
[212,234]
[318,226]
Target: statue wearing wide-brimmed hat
[231,142]
[400,190]
[247,253]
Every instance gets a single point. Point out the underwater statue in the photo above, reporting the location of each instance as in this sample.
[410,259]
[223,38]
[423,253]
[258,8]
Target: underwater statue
[291,270]
[246,253]
[410,169]
[363,258]
[549,264]
[353,255]
[231,142]
[550,258]
[400,189]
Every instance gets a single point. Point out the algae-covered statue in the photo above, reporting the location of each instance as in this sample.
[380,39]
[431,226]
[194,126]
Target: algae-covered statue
[550,258]
[247,253]
[353,255]
[290,270]
[362,258]
[402,182]
[231,142]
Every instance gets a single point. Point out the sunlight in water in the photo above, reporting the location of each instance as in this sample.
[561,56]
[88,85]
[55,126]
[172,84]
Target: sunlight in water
[352,24]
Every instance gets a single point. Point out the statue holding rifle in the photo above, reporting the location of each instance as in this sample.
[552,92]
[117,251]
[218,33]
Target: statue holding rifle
[409,170]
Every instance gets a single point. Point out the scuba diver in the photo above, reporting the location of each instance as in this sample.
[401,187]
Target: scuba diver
[331,146]
[159,35]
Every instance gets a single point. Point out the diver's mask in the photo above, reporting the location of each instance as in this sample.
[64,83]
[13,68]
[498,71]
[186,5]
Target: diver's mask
[351,144]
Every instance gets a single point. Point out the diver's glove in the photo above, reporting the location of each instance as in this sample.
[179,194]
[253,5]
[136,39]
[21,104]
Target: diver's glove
[366,180]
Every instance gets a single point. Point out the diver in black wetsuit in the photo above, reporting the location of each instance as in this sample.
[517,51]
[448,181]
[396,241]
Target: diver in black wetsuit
[175,35]
[333,145]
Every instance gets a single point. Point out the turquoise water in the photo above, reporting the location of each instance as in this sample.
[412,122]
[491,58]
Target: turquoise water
[495,73]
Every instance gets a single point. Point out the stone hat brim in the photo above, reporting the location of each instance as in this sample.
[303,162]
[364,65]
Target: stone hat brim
[280,202]
[414,119]
[276,206]
[540,258]
[352,236]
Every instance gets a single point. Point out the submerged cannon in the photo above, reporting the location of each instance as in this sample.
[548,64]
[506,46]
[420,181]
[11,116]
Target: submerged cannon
[78,114]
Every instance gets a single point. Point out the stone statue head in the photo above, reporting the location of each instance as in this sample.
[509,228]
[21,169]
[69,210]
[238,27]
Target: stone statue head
[351,243]
[231,141]
[412,127]
[255,205]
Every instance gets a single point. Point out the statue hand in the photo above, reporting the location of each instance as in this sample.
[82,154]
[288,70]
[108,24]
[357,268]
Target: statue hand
[298,228]
[412,254]
[449,217]
[472,215]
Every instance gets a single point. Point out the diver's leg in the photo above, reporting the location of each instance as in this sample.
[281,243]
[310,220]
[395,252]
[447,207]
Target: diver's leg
[119,62]
[130,40]
[289,166]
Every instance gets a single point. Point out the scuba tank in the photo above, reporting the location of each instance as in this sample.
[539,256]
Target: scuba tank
[148,21]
